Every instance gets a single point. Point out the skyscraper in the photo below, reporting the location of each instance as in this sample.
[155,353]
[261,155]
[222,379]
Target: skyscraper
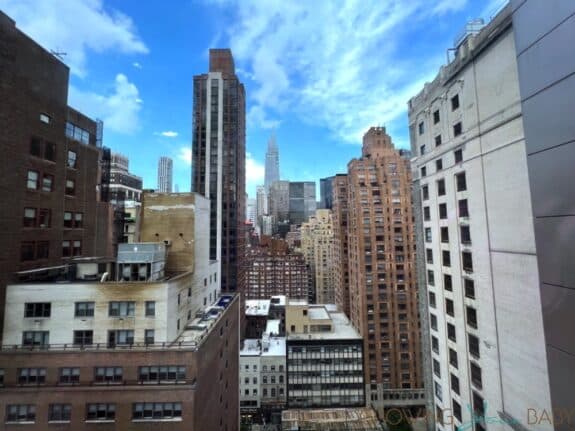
[326,193]
[165,175]
[302,203]
[382,286]
[272,172]
[477,253]
[218,160]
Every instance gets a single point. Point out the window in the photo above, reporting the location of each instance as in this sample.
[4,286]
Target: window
[150,308]
[455,102]
[32,180]
[37,309]
[447,284]
[156,411]
[44,217]
[429,255]
[70,187]
[149,336]
[59,412]
[458,155]
[478,405]
[72,158]
[438,140]
[20,413]
[68,219]
[435,344]
[50,151]
[121,308]
[436,368]
[444,234]
[84,309]
[421,128]
[433,321]
[457,129]
[476,375]
[467,261]
[29,217]
[77,248]
[69,375]
[438,391]
[83,338]
[472,317]
[426,214]
[469,288]
[36,146]
[443,211]
[449,307]
[423,171]
[45,118]
[425,192]
[162,373]
[1,376]
[441,187]
[432,299]
[461,182]
[451,332]
[453,357]
[47,182]
[121,336]
[436,116]
[422,150]
[456,410]
[35,338]
[77,133]
[438,165]
[31,376]
[27,251]
[430,278]
[78,220]
[108,374]
[427,234]
[474,346]
[446,257]
[100,412]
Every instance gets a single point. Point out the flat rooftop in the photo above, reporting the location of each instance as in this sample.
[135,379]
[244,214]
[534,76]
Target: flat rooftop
[278,300]
[251,347]
[317,313]
[273,326]
[360,418]
[257,307]
[342,329]
[276,347]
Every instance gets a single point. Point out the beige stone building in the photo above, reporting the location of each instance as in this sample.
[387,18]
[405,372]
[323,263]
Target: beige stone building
[383,303]
[317,244]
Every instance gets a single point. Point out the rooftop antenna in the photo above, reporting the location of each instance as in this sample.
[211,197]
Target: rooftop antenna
[59,54]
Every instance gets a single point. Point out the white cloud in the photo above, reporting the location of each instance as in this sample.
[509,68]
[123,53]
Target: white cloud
[254,172]
[75,27]
[185,155]
[137,65]
[336,65]
[119,109]
[168,134]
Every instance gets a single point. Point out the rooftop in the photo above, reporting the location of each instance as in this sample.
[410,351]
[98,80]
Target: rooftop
[257,307]
[318,313]
[273,327]
[361,418]
[278,300]
[276,346]
[251,347]
[342,328]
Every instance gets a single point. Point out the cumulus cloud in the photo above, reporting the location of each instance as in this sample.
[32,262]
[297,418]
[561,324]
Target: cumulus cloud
[335,64]
[75,27]
[137,65]
[185,155]
[255,172]
[119,109]
[168,134]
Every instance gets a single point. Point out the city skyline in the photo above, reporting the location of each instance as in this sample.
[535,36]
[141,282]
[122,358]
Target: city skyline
[122,72]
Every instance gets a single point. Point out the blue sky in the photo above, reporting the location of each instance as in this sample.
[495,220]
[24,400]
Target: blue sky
[319,73]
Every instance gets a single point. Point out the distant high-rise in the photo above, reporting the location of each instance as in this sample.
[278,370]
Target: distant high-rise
[165,175]
[326,193]
[218,160]
[261,204]
[272,172]
[302,203]
[124,186]
[383,300]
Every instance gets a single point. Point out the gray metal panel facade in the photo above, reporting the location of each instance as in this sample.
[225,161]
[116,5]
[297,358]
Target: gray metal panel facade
[544,35]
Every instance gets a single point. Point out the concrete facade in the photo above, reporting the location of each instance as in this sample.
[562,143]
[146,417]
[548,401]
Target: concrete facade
[478,245]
